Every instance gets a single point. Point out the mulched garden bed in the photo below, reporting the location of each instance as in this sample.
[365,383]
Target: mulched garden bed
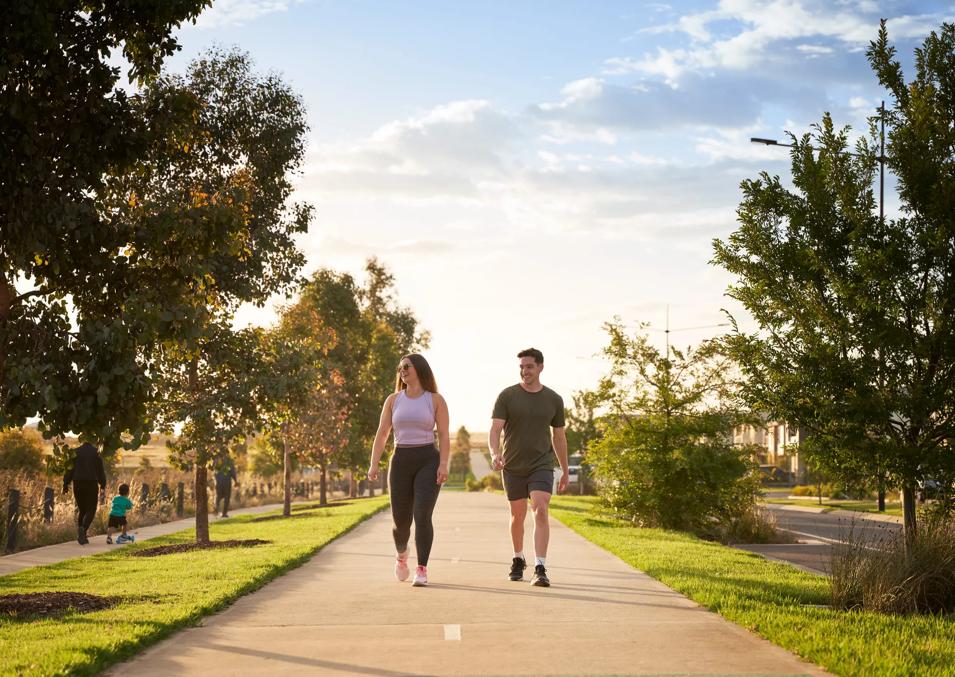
[49,603]
[189,547]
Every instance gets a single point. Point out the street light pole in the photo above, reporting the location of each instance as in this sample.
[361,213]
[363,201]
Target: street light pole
[880,158]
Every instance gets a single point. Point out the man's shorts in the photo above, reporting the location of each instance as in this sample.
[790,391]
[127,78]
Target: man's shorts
[520,486]
[116,522]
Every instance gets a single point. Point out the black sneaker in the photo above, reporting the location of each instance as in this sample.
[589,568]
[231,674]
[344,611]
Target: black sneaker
[517,569]
[81,536]
[540,577]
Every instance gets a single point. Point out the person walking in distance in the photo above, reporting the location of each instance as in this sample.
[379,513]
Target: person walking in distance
[87,474]
[417,468]
[527,412]
[225,476]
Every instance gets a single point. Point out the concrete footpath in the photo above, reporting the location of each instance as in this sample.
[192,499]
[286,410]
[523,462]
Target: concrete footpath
[342,613]
[51,554]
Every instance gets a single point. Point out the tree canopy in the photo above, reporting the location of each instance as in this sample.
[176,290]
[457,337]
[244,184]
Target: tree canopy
[856,312]
[71,330]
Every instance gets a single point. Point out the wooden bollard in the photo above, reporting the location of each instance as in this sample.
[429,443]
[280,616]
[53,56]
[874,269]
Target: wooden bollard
[48,498]
[13,519]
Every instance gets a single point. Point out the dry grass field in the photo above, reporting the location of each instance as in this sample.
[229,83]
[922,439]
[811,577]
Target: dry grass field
[155,451]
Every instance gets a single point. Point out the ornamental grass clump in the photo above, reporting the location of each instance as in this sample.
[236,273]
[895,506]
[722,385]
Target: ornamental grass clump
[886,575]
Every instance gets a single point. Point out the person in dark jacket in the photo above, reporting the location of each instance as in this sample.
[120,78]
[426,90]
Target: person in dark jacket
[87,474]
[225,476]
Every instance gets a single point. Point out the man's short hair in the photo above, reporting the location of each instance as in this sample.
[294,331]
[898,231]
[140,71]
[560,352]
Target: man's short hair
[532,352]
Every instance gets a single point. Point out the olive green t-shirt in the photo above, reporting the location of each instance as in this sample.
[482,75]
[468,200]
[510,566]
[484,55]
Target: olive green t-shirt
[528,418]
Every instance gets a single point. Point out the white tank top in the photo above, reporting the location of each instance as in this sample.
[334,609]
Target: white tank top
[413,419]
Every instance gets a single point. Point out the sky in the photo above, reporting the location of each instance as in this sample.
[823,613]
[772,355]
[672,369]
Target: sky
[531,170]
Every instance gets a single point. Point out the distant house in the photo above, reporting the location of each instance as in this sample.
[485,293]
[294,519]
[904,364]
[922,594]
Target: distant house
[778,444]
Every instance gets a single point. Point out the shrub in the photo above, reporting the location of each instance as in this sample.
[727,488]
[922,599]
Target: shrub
[754,526]
[882,575]
[490,482]
[21,449]
[698,483]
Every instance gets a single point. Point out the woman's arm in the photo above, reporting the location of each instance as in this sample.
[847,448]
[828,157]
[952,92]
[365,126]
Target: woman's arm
[381,437]
[441,418]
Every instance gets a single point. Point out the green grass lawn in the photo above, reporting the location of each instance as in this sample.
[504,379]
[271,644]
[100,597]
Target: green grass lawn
[773,599]
[829,505]
[160,594]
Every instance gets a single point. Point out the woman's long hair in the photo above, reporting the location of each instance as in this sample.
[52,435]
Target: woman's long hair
[423,369]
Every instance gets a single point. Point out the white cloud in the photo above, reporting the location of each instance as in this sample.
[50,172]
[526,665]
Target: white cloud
[233,12]
[765,30]
[814,50]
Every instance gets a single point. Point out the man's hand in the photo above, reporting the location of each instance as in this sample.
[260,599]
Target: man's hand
[497,461]
[564,480]
[373,473]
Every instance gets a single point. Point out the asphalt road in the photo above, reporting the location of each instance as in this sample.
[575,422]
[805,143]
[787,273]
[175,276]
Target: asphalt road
[817,534]
[832,527]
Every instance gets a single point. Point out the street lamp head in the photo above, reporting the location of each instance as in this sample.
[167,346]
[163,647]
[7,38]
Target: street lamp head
[768,142]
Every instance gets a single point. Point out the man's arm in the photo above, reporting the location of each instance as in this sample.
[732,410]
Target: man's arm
[101,472]
[494,443]
[68,476]
[560,449]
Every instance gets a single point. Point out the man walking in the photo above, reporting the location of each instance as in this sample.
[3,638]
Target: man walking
[87,474]
[526,412]
[225,476]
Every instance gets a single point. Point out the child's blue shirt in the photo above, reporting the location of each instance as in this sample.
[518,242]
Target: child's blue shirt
[120,505]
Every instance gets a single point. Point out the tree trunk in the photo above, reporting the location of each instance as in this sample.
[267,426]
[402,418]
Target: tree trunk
[908,514]
[286,478]
[322,486]
[7,293]
[881,494]
[202,471]
[202,504]
[352,485]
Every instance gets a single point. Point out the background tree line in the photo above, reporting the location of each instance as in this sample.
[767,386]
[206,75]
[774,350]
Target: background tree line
[132,228]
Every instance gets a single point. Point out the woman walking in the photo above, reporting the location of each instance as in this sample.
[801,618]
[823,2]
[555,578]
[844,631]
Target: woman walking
[417,468]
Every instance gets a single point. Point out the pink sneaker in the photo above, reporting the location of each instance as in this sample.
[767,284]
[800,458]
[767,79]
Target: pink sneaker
[420,577]
[401,567]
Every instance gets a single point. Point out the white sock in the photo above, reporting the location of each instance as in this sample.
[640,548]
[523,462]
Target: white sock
[520,554]
[539,561]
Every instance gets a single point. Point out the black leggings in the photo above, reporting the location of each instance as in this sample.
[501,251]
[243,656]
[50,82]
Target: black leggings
[86,493]
[413,480]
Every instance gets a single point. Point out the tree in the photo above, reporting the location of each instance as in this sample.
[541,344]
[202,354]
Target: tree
[372,333]
[667,458]
[582,422]
[211,388]
[319,433]
[856,340]
[21,449]
[73,326]
[461,458]
[229,180]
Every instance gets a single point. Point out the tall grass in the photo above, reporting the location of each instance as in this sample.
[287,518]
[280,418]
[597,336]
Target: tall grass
[34,532]
[882,575]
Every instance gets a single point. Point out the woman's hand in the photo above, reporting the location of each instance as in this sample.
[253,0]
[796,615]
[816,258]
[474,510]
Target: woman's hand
[442,474]
[373,473]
